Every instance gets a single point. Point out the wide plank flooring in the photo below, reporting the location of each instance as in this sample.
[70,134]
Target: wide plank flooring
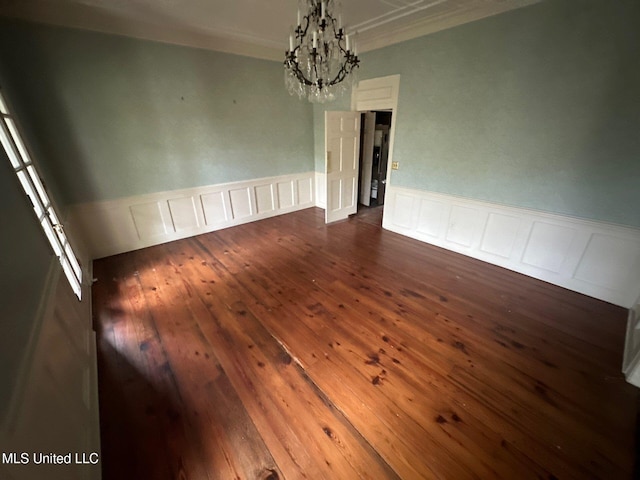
[288,349]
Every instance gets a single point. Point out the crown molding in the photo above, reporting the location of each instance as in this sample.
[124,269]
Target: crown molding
[374,36]
[85,18]
[395,26]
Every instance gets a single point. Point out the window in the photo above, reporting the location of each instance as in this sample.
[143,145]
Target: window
[29,178]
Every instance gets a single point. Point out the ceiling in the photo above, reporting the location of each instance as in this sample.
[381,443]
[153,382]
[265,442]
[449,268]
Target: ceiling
[256,28]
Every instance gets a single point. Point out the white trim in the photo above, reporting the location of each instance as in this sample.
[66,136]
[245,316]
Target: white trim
[17,151]
[398,23]
[68,16]
[594,258]
[379,93]
[321,190]
[43,390]
[116,226]
[45,308]
[631,359]
[417,19]
[93,441]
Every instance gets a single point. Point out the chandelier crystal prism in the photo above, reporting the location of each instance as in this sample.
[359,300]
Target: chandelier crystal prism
[321,62]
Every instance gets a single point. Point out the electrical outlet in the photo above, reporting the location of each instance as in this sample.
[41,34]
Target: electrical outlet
[395,165]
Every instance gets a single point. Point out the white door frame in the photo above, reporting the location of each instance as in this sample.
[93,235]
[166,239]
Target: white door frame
[372,94]
[379,94]
[367,132]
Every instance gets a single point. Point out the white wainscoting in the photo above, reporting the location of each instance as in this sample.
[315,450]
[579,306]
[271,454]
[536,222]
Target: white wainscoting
[54,404]
[116,226]
[321,190]
[598,259]
[631,361]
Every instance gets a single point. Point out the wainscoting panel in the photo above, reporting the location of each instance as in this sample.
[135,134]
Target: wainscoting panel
[500,234]
[304,190]
[286,194]
[184,214]
[403,209]
[612,269]
[463,225]
[265,199]
[548,246]
[598,259]
[241,202]
[216,208]
[148,220]
[116,226]
[431,218]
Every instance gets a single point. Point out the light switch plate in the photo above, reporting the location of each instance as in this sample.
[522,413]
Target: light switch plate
[395,165]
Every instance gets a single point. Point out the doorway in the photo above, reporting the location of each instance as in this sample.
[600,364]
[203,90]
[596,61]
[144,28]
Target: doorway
[345,188]
[374,157]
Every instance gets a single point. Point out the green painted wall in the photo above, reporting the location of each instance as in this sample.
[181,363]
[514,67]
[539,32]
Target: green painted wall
[537,108]
[114,117]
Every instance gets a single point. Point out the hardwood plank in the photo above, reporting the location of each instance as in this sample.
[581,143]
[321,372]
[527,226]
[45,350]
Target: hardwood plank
[149,439]
[366,357]
[287,348]
[267,376]
[236,447]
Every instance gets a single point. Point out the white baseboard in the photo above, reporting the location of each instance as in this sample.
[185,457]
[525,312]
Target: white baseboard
[597,259]
[116,226]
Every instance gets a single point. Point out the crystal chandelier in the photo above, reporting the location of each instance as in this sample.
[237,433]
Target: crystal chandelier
[321,61]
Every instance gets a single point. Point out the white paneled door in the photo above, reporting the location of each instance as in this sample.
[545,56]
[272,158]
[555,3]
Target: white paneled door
[342,147]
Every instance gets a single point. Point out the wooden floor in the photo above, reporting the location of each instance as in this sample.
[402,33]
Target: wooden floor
[289,349]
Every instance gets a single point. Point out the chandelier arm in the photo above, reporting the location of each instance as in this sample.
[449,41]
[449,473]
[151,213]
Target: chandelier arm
[339,36]
[342,74]
[303,33]
[326,65]
[300,76]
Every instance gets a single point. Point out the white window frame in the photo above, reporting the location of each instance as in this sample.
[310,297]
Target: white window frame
[18,154]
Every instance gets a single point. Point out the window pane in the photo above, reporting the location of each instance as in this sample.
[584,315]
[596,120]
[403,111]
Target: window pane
[60,234]
[72,260]
[33,187]
[35,178]
[8,147]
[53,217]
[22,176]
[53,240]
[3,105]
[75,284]
[17,140]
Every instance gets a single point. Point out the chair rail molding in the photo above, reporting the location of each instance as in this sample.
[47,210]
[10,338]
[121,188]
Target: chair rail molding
[125,224]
